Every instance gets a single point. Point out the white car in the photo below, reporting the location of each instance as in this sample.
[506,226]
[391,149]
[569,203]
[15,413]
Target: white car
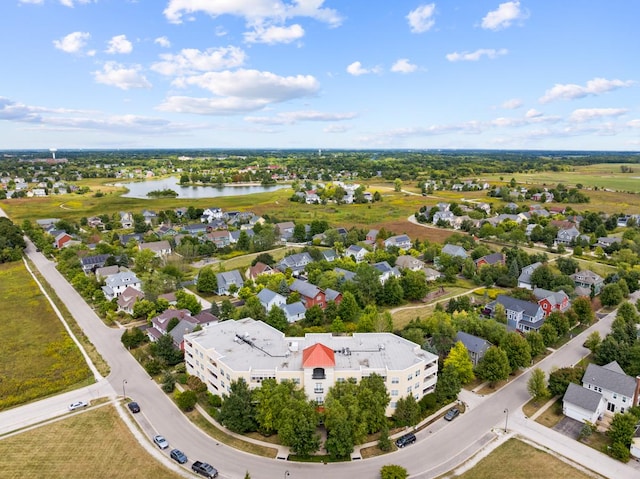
[77,405]
[161,442]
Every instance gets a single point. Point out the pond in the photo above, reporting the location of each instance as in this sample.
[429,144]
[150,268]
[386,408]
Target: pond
[139,189]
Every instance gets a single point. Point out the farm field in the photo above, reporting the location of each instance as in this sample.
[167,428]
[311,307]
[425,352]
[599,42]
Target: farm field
[39,358]
[93,444]
[515,459]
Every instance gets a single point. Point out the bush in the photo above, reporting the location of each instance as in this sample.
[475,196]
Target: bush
[168,383]
[180,368]
[181,378]
[195,384]
[213,400]
[428,404]
[393,471]
[186,400]
[620,451]
[153,367]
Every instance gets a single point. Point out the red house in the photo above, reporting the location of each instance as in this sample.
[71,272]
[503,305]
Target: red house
[551,301]
[310,295]
[61,239]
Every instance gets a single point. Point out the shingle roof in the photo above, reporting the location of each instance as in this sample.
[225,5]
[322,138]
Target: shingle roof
[525,276]
[515,304]
[348,275]
[584,398]
[454,250]
[294,309]
[473,343]
[304,288]
[610,377]
[331,294]
[93,260]
[266,295]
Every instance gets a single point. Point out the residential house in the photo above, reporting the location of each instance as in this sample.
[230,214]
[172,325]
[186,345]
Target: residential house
[310,294]
[432,274]
[372,235]
[195,229]
[490,259]
[294,311]
[169,297]
[345,274]
[358,252]
[618,392]
[234,236]
[117,283]
[587,281]
[106,271]
[61,240]
[607,241]
[333,295]
[524,280]
[90,264]
[95,222]
[399,241]
[567,236]
[128,298]
[210,214]
[409,262]
[443,216]
[149,216]
[228,280]
[126,220]
[268,299]
[159,248]
[47,223]
[259,268]
[296,262]
[329,255]
[386,271]
[521,315]
[284,230]
[137,237]
[165,230]
[552,301]
[476,347]
[220,238]
[454,250]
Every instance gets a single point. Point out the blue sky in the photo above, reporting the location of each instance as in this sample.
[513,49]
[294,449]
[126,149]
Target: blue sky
[320,74]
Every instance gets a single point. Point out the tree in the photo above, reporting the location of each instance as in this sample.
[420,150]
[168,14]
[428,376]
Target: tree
[542,277]
[567,265]
[500,314]
[392,292]
[537,385]
[413,284]
[559,321]
[611,295]
[244,242]
[145,261]
[518,351]
[494,366]
[349,311]
[373,398]
[132,338]
[593,341]
[207,280]
[186,400]
[397,185]
[459,358]
[559,379]
[188,301]
[393,471]
[298,427]
[384,443]
[339,441]
[368,284]
[237,412]
[621,432]
[314,316]
[549,334]
[536,343]
[164,349]
[143,308]
[448,386]
[407,411]
[277,318]
[582,307]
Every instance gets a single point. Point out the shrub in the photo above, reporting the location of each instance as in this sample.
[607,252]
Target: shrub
[186,400]
[168,383]
[182,378]
[393,471]
[153,367]
[195,384]
[213,400]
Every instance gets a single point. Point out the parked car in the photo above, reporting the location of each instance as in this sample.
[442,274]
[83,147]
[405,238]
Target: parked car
[405,440]
[451,414]
[134,407]
[160,441]
[204,469]
[178,456]
[77,405]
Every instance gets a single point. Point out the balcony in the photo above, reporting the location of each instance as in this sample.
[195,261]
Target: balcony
[318,391]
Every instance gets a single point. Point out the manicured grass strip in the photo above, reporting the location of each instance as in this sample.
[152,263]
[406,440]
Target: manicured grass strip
[517,460]
[39,358]
[94,444]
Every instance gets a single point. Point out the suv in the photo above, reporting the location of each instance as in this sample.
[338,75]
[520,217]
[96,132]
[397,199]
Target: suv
[451,414]
[204,469]
[134,407]
[178,456]
[406,440]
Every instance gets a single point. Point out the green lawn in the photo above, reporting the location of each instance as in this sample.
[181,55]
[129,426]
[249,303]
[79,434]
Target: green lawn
[39,358]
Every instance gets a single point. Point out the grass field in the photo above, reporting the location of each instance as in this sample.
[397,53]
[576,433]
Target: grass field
[517,460]
[93,444]
[39,358]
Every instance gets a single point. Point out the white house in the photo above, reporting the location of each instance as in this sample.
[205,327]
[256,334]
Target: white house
[358,252]
[269,299]
[117,283]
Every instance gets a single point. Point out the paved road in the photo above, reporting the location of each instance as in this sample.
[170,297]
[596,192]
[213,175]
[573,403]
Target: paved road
[440,448]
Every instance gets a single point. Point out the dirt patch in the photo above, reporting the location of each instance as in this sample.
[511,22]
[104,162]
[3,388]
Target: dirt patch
[416,231]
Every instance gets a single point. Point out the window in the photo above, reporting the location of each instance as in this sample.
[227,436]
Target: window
[416,386]
[319,401]
[409,377]
[340,380]
[318,389]
[409,389]
[394,404]
[417,373]
[318,373]
[615,396]
[394,392]
[395,380]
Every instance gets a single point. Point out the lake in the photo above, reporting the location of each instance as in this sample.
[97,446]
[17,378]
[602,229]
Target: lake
[139,189]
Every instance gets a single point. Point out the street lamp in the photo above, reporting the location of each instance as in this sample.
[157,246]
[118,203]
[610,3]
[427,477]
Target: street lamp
[286,474]
[506,419]
[124,394]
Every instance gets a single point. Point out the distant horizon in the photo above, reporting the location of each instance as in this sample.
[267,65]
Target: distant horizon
[403,75]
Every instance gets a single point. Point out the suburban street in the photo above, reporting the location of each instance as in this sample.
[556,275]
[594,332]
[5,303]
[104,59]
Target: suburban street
[440,448]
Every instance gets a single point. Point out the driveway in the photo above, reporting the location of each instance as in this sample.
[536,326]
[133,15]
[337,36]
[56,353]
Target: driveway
[569,427]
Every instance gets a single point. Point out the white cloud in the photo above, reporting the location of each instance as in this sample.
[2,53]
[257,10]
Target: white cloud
[335,129]
[588,114]
[533,113]
[253,11]
[119,44]
[477,55]
[33,2]
[512,104]
[503,16]
[70,3]
[192,60]
[163,42]
[421,19]
[571,91]
[114,74]
[239,91]
[293,117]
[403,65]
[634,123]
[272,34]
[356,69]
[72,43]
